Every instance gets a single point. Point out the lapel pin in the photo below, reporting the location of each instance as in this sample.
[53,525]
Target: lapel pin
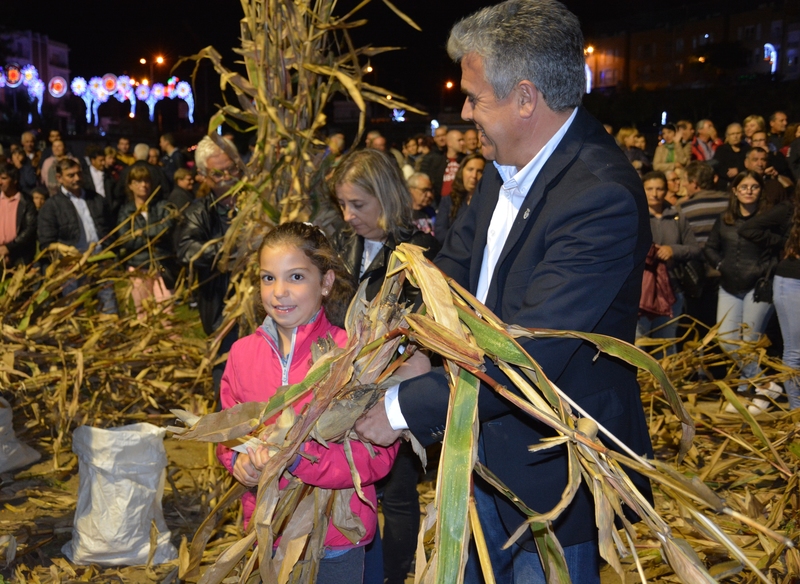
[527,214]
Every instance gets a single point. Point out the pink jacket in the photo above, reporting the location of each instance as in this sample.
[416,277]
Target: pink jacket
[254,372]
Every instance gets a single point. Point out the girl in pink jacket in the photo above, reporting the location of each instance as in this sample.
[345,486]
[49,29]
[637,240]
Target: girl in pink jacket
[302,278]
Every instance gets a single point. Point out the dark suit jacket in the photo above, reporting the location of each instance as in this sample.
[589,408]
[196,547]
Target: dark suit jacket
[573,260]
[109,185]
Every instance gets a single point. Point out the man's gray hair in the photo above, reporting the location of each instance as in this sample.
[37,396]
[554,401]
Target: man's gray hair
[205,148]
[414,179]
[535,40]
[141,151]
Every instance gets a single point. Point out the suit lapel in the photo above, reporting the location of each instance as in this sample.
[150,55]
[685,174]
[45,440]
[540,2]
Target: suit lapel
[566,151]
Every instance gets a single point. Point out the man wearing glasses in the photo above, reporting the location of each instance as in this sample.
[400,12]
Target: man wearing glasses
[206,220]
[421,188]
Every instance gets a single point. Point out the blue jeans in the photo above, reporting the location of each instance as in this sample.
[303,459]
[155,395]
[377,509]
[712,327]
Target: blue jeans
[645,324]
[743,319]
[516,565]
[786,295]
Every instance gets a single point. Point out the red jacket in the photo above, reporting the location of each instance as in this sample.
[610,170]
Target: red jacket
[254,372]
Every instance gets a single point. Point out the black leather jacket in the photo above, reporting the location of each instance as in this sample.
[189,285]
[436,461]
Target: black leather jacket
[23,248]
[740,261]
[160,219]
[202,222]
[351,247]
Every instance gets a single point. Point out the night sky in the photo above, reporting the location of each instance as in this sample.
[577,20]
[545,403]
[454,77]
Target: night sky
[111,37]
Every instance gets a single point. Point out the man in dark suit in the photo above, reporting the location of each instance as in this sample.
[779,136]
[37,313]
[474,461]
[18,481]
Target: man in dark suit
[97,178]
[563,248]
[79,218]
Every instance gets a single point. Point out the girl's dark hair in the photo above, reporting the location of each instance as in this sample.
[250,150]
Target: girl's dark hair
[458,192]
[312,241]
[792,248]
[732,212]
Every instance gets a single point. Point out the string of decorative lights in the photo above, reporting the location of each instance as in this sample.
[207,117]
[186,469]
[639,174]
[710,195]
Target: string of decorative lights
[98,90]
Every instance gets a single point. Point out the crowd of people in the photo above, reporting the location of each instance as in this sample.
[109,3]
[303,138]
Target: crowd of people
[558,232]
[722,220]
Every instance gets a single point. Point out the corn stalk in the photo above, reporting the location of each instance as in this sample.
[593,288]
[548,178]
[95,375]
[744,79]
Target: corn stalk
[451,327]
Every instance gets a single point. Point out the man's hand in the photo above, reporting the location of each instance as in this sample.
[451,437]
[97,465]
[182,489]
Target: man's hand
[770,171]
[732,172]
[664,252]
[373,426]
[416,365]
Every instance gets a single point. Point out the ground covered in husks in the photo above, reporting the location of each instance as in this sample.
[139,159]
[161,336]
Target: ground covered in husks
[107,373]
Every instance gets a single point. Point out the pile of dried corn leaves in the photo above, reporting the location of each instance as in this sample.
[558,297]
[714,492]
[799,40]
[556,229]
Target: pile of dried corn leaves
[62,365]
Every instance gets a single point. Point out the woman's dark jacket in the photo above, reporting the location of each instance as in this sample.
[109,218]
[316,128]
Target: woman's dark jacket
[351,247]
[740,261]
[771,228]
[148,239]
[23,248]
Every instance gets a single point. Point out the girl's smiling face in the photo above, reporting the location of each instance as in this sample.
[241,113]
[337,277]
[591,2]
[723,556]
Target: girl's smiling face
[292,288]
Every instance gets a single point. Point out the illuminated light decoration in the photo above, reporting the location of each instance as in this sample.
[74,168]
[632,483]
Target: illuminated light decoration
[156,95]
[100,97]
[2,77]
[95,83]
[79,88]
[36,92]
[184,91]
[110,82]
[13,76]
[588,72]
[57,87]
[434,125]
[142,92]
[771,55]
[29,75]
[398,115]
[125,93]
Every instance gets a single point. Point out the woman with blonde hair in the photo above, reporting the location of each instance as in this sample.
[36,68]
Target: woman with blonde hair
[751,125]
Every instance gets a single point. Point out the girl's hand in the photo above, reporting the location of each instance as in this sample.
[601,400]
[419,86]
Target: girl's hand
[245,471]
[259,457]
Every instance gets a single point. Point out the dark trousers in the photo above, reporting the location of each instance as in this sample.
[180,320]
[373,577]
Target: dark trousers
[401,515]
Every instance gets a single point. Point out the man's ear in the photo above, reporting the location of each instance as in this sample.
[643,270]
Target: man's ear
[527,98]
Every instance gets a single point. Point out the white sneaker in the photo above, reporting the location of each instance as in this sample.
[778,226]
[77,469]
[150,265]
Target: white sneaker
[731,409]
[772,391]
[759,406]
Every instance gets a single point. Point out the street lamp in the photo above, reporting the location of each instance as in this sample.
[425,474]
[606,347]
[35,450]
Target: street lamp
[158,60]
[449,85]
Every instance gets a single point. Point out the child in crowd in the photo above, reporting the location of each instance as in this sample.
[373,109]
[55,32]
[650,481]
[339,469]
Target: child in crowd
[303,284]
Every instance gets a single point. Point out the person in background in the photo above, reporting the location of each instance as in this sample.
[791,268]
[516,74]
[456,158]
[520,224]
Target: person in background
[172,158]
[777,129]
[183,193]
[455,152]
[113,165]
[96,178]
[626,139]
[779,228]
[750,126]
[79,218]
[675,244]
[199,241]
[423,215]
[28,141]
[145,241]
[124,151]
[730,156]
[705,142]
[472,144]
[27,174]
[685,137]
[52,136]
[49,166]
[741,263]
[451,208]
[154,158]
[673,187]
[18,217]
[157,177]
[777,165]
[669,153]
[39,196]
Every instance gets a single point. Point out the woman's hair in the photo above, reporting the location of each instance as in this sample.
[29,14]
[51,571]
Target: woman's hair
[137,173]
[792,248]
[110,151]
[458,193]
[732,212]
[312,241]
[789,134]
[376,174]
[625,133]
[757,119]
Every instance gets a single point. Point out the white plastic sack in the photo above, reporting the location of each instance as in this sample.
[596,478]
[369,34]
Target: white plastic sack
[122,473]
[13,453]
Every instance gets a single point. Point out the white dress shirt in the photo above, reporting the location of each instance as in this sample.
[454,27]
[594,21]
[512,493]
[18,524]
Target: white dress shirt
[98,178]
[88,230]
[516,184]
